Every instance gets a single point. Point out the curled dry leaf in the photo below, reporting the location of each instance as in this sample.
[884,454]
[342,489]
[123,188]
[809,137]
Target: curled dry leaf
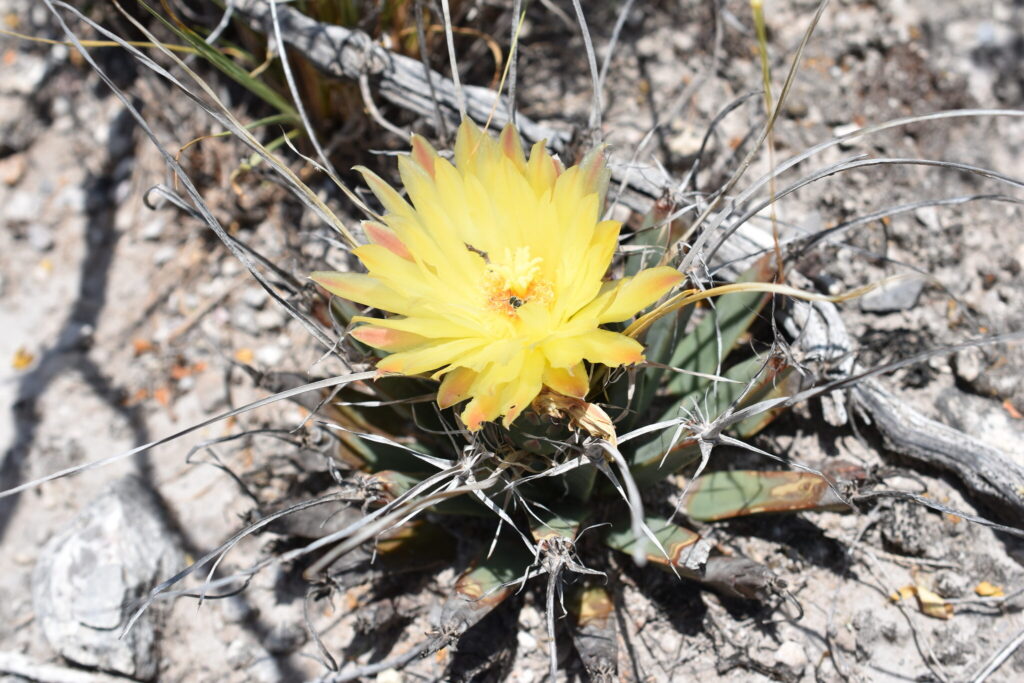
[987,589]
[588,417]
[930,603]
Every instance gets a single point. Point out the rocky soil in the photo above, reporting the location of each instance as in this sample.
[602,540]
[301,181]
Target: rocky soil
[124,323]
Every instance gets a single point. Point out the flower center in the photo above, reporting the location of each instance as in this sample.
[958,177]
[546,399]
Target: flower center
[515,280]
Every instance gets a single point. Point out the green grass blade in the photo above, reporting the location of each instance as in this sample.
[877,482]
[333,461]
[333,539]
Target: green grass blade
[228,67]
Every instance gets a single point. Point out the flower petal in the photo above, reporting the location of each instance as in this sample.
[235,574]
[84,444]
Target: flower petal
[362,289]
[596,173]
[430,356]
[572,381]
[597,346]
[541,170]
[468,143]
[483,408]
[637,293]
[512,146]
[425,326]
[387,195]
[423,153]
[378,233]
[455,387]
[387,339]
[520,393]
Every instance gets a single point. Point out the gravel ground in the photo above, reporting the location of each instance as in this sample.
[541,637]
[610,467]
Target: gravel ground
[123,324]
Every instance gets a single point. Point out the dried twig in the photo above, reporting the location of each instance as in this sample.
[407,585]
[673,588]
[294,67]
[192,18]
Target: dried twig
[21,666]
[999,657]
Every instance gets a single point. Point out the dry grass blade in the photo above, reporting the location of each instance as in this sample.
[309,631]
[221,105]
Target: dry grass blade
[1000,656]
[453,63]
[594,124]
[698,245]
[296,99]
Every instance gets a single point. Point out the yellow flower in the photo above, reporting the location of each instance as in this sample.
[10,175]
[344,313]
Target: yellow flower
[495,274]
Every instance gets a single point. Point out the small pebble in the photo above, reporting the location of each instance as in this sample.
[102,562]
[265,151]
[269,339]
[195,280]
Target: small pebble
[266,670]
[230,266]
[284,637]
[244,320]
[152,230]
[235,609]
[254,297]
[40,237]
[20,208]
[270,356]
[164,254]
[526,641]
[269,319]
[25,75]
[897,295]
[238,654]
[12,169]
[846,129]
[529,617]
[791,656]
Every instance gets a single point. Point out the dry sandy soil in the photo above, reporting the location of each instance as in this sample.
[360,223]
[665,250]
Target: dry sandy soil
[121,324]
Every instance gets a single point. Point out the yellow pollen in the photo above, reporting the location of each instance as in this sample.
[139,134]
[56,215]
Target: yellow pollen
[514,281]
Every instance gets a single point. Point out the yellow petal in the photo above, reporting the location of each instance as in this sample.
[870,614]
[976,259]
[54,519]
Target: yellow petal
[590,269]
[430,356]
[424,326]
[520,393]
[572,381]
[387,339]
[483,408]
[637,293]
[467,144]
[395,271]
[512,146]
[423,153]
[597,346]
[490,392]
[596,173]
[362,289]
[541,170]
[381,234]
[387,195]
[455,387]
[432,212]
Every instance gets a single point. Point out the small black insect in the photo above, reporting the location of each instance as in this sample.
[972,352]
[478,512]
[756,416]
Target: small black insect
[515,301]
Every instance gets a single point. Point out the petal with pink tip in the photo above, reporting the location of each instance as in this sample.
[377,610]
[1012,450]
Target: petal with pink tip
[483,408]
[378,233]
[387,339]
[362,289]
[541,170]
[455,387]
[467,143]
[423,153]
[512,146]
[428,357]
[596,173]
